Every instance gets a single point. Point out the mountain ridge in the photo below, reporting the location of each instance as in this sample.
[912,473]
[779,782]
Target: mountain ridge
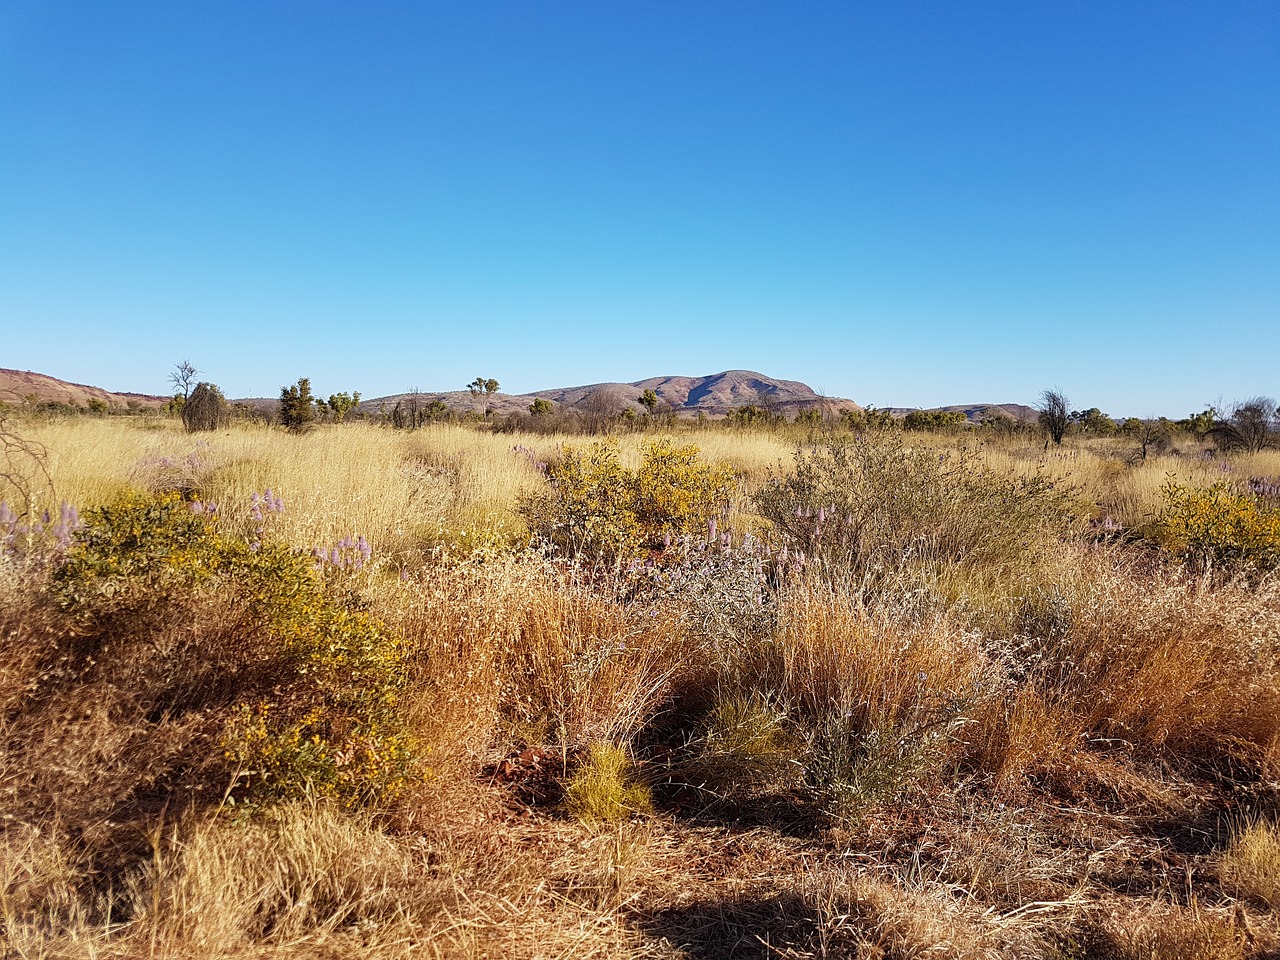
[712,395]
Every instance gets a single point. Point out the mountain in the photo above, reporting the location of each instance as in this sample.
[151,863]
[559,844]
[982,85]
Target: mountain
[713,396]
[19,387]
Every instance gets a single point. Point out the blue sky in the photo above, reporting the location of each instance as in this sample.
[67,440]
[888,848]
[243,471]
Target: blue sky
[903,203]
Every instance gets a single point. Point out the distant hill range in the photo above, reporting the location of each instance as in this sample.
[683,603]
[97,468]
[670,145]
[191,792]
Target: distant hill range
[715,395]
[24,388]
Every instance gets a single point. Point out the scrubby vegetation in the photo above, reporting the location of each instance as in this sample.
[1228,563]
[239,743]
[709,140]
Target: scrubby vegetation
[699,692]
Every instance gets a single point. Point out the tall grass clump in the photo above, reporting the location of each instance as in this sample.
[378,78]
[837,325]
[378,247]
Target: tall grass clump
[1168,662]
[586,669]
[878,692]
[871,505]
[1250,863]
[605,787]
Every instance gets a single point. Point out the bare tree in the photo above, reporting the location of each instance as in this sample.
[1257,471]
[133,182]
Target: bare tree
[184,377]
[600,407]
[24,473]
[1055,414]
[1152,434]
[1251,426]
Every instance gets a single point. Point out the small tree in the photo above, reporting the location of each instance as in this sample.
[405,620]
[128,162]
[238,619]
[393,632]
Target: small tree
[600,407]
[183,378]
[297,411]
[541,407]
[1093,421]
[1055,414]
[205,409]
[649,400]
[1152,434]
[490,387]
[809,417]
[1199,424]
[343,403]
[1251,426]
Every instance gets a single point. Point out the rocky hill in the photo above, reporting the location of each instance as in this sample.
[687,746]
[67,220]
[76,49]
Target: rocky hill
[24,388]
[713,396]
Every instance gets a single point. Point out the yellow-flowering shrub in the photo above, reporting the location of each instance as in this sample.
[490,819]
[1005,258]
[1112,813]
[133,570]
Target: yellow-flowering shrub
[320,681]
[601,510]
[1220,526]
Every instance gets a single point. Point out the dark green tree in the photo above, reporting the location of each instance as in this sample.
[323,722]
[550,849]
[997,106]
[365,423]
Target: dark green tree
[297,407]
[649,400]
[541,406]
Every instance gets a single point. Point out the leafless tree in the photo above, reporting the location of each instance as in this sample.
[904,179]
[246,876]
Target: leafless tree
[600,407]
[184,377]
[1055,414]
[1251,426]
[1152,434]
[23,469]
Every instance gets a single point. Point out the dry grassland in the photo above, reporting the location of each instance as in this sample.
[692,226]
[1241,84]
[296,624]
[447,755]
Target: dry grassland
[1070,749]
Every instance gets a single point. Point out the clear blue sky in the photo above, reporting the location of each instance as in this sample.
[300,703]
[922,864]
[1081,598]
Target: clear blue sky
[903,203]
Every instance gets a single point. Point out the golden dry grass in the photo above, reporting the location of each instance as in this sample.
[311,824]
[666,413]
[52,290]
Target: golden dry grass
[1091,719]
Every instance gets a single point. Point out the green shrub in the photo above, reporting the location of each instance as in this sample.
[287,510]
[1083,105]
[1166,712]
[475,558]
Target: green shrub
[324,720]
[874,503]
[1250,863]
[744,745]
[598,509]
[1220,526]
[604,788]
